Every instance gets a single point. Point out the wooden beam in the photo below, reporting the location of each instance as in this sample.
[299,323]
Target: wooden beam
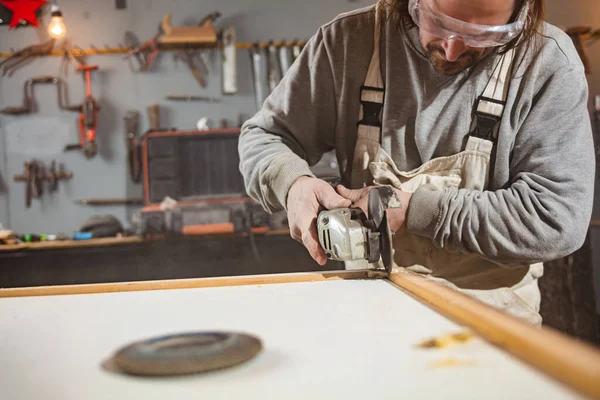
[573,363]
[186,283]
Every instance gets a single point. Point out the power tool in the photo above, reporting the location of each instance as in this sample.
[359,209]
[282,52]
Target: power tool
[347,234]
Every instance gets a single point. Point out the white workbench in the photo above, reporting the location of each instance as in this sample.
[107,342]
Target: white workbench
[350,339]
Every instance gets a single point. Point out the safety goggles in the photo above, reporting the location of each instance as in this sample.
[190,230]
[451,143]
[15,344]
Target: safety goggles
[473,35]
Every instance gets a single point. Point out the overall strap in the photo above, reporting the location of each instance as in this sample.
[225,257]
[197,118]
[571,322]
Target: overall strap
[490,105]
[372,92]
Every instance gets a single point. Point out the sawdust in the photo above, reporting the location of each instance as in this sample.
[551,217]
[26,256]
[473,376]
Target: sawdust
[445,341]
[452,362]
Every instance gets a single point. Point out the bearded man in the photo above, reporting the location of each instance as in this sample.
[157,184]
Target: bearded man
[473,111]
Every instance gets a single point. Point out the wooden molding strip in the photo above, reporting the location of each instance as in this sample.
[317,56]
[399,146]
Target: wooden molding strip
[573,363]
[186,283]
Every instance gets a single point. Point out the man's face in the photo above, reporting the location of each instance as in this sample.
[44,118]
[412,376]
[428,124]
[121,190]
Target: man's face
[452,56]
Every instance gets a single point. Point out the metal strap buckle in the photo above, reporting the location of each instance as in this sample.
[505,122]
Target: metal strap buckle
[371,110]
[486,122]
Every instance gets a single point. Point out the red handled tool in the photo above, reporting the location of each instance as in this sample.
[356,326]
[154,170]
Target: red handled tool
[88,117]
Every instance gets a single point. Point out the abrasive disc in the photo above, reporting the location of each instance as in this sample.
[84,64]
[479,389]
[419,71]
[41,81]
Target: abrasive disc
[187,353]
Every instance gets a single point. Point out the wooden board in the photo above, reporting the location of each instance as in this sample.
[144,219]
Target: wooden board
[324,338]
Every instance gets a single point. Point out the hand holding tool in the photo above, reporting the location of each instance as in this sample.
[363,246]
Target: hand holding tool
[347,234]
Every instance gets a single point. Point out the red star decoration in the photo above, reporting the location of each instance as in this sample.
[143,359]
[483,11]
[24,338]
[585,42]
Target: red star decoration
[23,10]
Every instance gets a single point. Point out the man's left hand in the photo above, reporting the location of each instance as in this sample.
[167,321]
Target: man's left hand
[396,212]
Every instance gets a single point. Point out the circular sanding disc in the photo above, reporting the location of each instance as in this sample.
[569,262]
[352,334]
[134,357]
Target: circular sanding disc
[187,353]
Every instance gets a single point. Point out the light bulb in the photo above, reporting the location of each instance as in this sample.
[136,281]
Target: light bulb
[56,28]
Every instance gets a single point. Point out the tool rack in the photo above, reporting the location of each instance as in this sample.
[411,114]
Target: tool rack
[123,50]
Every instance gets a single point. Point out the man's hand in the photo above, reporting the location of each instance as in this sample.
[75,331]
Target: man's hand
[306,199]
[397,206]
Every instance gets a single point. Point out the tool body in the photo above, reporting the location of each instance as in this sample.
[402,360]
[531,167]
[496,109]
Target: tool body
[347,234]
[88,117]
[29,100]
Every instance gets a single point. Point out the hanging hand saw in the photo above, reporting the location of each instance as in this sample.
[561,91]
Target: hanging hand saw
[256,63]
[229,61]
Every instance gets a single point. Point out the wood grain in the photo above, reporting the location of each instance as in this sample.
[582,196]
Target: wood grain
[573,363]
[185,283]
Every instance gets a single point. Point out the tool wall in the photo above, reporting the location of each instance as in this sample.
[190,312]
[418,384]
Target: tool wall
[42,128]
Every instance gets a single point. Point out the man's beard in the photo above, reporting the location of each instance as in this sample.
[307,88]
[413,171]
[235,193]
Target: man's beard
[436,55]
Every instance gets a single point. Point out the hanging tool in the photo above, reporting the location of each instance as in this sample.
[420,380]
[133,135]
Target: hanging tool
[28,99]
[188,56]
[256,64]
[273,69]
[192,98]
[109,202]
[133,146]
[137,53]
[88,117]
[229,64]
[20,57]
[144,60]
[204,33]
[296,50]
[285,59]
[346,234]
[35,174]
[154,117]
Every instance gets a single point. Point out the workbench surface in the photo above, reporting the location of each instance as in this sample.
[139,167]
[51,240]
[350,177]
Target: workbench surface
[352,339]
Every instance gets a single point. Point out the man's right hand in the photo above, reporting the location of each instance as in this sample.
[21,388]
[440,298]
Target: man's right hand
[306,199]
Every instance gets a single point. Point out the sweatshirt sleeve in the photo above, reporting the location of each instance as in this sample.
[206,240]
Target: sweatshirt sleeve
[545,212]
[293,130]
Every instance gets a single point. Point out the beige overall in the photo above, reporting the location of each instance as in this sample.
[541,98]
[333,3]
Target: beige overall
[513,288]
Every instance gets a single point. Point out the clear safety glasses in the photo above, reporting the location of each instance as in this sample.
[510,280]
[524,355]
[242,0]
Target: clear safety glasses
[473,35]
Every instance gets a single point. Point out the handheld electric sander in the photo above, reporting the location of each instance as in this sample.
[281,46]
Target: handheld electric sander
[347,234]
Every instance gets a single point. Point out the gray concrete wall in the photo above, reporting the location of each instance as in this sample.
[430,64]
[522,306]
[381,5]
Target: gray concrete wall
[43,134]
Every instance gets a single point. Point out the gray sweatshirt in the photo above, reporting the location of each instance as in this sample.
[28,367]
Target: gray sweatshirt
[539,201]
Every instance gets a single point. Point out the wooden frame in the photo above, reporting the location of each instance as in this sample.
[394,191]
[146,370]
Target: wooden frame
[575,364]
